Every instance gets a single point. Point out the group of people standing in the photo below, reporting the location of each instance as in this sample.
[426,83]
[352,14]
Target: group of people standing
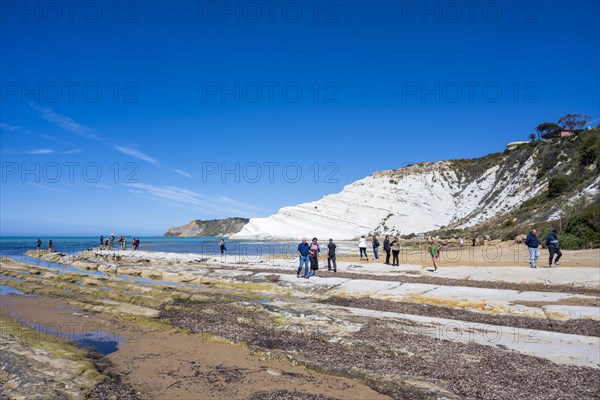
[308,254]
[38,244]
[108,243]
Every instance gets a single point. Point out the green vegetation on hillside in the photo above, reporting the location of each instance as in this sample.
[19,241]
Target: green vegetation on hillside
[565,166]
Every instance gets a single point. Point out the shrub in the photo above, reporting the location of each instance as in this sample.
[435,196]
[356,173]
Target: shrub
[570,242]
[585,226]
[557,185]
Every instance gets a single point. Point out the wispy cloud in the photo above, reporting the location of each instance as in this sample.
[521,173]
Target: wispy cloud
[41,151]
[180,197]
[74,151]
[136,153]
[65,122]
[54,139]
[48,188]
[70,125]
[11,128]
[183,173]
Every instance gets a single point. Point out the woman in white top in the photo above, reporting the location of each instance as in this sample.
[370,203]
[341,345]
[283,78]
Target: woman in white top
[362,247]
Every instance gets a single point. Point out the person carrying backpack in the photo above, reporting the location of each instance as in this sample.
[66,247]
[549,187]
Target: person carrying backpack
[375,243]
[553,248]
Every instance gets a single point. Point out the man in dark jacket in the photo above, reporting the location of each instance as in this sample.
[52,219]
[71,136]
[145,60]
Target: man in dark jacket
[387,248]
[303,257]
[553,248]
[331,255]
[533,246]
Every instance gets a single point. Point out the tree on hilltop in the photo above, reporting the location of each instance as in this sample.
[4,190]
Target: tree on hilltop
[574,122]
[548,130]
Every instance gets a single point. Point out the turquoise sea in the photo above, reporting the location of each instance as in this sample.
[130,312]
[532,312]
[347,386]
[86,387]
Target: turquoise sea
[11,246]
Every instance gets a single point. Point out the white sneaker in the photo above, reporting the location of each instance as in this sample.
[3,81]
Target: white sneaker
[556,264]
[435,271]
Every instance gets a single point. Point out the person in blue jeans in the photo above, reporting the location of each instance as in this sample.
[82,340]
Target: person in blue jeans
[303,249]
[533,246]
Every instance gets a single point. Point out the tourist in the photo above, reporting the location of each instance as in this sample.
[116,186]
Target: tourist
[106,243]
[474,240]
[313,256]
[553,248]
[362,247]
[331,255]
[137,243]
[222,247]
[533,246]
[124,242]
[303,257]
[461,241]
[386,248]
[38,243]
[395,247]
[101,242]
[434,251]
[375,247]
[111,241]
[50,245]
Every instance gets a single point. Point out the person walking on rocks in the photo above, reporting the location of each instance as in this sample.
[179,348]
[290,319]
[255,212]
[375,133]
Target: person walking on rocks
[533,246]
[434,251]
[362,247]
[50,245]
[111,241]
[303,257]
[38,243]
[375,247]
[553,248]
[331,256]
[395,247]
[222,247]
[124,243]
[387,249]
[313,255]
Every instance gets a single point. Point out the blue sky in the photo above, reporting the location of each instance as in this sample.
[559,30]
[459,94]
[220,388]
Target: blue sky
[131,117]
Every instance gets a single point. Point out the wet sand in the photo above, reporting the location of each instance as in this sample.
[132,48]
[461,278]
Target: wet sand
[169,365]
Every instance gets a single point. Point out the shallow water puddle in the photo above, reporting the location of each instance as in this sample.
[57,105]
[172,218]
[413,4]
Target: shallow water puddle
[51,265]
[64,269]
[6,290]
[101,341]
[53,317]
[11,278]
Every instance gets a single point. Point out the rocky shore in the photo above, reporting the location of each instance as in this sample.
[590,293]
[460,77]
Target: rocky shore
[392,335]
